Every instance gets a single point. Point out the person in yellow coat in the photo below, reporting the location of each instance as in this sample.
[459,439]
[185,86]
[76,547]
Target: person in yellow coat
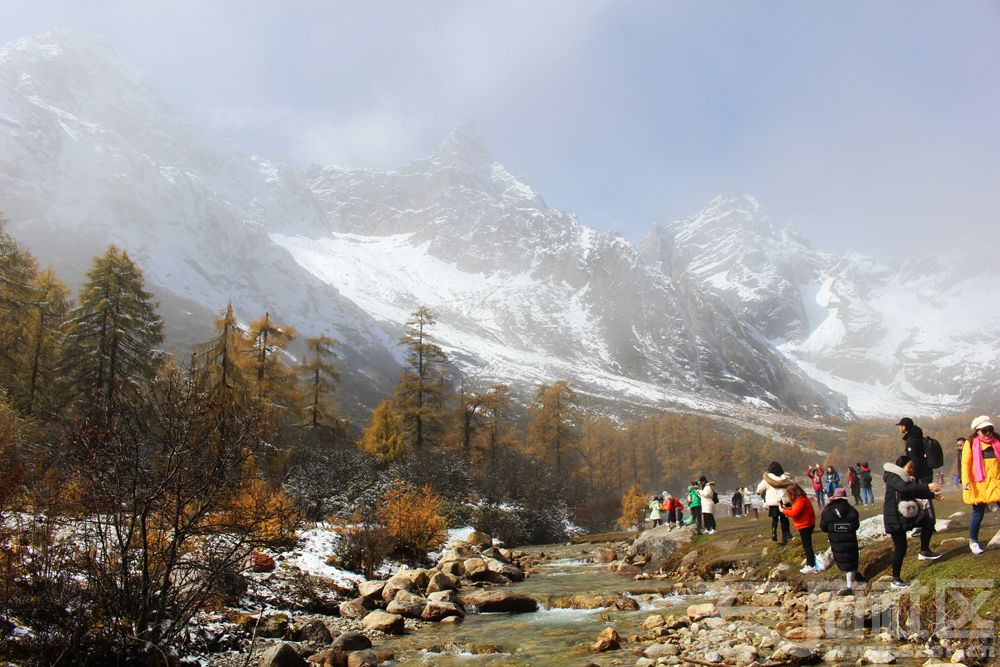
[980,474]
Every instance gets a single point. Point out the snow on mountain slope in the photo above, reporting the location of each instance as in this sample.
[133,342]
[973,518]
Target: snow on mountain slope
[89,155]
[892,339]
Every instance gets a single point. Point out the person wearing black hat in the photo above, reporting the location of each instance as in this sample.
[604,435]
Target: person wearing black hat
[913,440]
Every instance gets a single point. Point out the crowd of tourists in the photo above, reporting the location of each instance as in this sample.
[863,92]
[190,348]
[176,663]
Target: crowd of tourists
[911,487]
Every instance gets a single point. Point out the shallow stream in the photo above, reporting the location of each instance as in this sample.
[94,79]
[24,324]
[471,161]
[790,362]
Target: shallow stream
[549,636]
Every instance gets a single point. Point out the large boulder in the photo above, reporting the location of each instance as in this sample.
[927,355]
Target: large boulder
[445,596]
[436,611]
[440,581]
[362,659]
[402,581]
[660,543]
[371,589]
[356,608]
[315,632]
[487,601]
[351,641]
[330,657]
[507,570]
[407,604]
[481,540]
[391,624]
[281,655]
[476,569]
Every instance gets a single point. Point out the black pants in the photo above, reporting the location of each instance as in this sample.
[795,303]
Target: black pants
[806,535]
[696,515]
[709,521]
[899,544]
[776,517]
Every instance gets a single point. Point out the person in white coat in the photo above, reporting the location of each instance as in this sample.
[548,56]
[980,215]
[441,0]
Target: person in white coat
[773,488]
[708,496]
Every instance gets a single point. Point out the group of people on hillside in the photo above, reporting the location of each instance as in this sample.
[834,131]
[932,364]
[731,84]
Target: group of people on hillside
[908,505]
[701,501]
[825,482]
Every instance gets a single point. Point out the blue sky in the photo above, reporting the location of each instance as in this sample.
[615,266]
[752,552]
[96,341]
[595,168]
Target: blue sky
[871,126]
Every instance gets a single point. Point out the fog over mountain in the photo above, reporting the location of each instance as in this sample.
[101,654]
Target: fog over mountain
[726,311]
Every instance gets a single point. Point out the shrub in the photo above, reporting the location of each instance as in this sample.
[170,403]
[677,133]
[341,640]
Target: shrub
[413,520]
[363,546]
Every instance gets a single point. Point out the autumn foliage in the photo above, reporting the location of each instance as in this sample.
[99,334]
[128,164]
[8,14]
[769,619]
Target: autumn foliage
[633,508]
[413,519]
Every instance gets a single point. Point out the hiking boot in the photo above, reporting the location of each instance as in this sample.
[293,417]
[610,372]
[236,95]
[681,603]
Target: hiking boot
[898,583]
[915,532]
[975,548]
[927,554]
[845,591]
[809,569]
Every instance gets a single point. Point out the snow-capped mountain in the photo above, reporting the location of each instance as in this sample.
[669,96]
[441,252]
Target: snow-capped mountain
[895,339]
[524,294]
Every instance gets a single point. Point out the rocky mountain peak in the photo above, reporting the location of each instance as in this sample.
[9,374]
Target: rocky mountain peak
[463,148]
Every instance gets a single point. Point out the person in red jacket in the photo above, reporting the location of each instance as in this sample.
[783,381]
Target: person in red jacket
[798,508]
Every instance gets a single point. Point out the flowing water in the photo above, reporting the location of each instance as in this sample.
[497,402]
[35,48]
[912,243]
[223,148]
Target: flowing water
[552,636]
[549,636]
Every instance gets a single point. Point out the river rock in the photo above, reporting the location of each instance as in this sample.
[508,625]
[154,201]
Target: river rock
[654,621]
[605,555]
[475,569]
[656,651]
[441,581]
[455,568]
[583,601]
[399,582]
[481,540]
[330,657]
[356,608]
[796,654]
[504,569]
[496,554]
[407,605]
[660,542]
[435,611]
[274,626]
[315,632]
[696,612]
[500,601]
[878,657]
[805,633]
[445,596]
[608,640]
[362,659]
[371,589]
[391,624]
[351,641]
[626,603]
[281,655]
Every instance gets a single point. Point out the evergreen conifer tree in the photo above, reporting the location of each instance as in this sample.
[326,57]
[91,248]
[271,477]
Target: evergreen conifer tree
[423,387]
[50,307]
[319,377]
[113,335]
[17,273]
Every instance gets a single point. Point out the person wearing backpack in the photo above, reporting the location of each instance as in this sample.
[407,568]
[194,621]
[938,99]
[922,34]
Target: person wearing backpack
[980,475]
[916,450]
[708,499]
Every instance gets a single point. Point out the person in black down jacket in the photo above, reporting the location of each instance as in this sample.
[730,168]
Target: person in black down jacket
[840,522]
[901,512]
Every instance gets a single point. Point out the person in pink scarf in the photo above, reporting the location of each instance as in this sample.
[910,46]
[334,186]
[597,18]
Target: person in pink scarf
[980,474]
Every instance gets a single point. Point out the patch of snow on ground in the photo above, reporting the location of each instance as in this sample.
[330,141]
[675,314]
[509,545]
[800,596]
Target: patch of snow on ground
[315,546]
